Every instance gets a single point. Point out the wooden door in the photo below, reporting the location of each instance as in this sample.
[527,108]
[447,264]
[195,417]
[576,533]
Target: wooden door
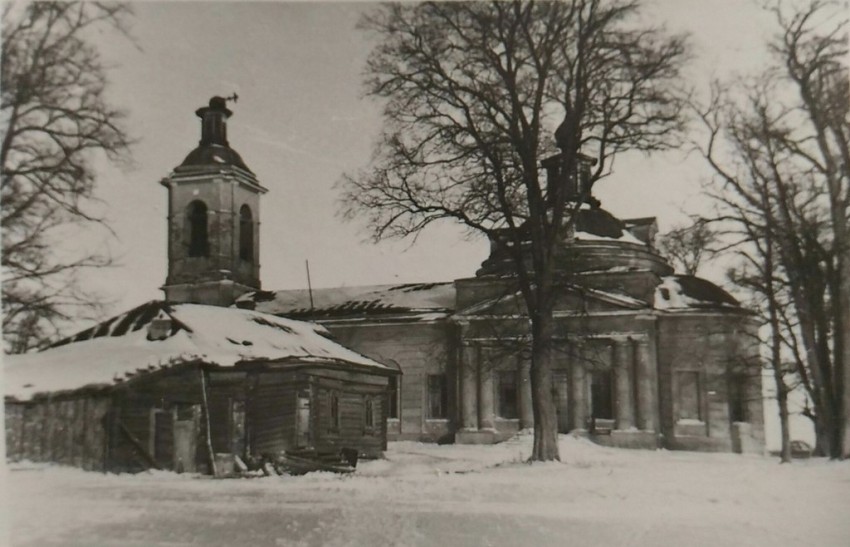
[186,432]
[163,438]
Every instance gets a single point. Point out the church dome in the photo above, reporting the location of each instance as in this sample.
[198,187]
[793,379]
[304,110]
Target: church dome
[216,155]
[214,150]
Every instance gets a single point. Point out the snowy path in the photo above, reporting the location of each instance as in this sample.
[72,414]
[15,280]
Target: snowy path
[451,495]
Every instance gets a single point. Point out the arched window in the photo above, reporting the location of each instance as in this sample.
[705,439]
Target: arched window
[196,229]
[246,234]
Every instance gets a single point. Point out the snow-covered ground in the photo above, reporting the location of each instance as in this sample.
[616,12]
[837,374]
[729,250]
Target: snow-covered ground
[450,495]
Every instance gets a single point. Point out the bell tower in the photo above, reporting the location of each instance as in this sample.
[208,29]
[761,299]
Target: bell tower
[213,218]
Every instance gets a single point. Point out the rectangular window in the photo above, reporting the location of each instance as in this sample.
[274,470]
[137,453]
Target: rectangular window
[438,396]
[508,399]
[738,398]
[601,394]
[394,396]
[688,395]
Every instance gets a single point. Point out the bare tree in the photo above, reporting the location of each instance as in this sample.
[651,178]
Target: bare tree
[780,147]
[55,119]
[471,94]
[687,247]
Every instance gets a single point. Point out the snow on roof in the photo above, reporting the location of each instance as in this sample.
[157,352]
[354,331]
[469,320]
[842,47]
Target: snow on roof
[689,292]
[418,298]
[625,237]
[120,346]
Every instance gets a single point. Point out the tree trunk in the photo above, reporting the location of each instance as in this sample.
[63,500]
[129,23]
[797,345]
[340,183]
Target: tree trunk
[781,387]
[842,335]
[823,446]
[543,407]
[782,400]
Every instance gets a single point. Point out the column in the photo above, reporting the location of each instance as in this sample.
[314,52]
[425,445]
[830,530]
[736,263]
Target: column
[578,393]
[622,366]
[468,387]
[526,412]
[645,372]
[486,408]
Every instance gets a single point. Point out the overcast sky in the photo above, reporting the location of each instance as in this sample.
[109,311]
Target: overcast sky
[301,122]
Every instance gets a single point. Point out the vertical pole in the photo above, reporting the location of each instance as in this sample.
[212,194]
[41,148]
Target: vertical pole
[309,284]
[207,420]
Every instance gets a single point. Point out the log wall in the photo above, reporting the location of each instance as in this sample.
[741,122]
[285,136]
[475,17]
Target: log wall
[67,429]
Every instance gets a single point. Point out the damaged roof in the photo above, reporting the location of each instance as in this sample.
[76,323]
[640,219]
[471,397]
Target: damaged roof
[157,335]
[687,292]
[426,300]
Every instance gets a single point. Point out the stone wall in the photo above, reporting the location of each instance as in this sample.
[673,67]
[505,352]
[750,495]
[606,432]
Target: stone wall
[704,357]
[419,349]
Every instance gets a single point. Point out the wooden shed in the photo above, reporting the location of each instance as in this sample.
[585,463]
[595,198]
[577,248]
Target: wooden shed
[180,387]
[321,406]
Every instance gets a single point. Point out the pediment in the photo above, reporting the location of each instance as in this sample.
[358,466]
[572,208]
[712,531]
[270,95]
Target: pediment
[572,299]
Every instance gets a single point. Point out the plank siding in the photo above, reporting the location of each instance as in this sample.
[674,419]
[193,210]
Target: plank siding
[272,413]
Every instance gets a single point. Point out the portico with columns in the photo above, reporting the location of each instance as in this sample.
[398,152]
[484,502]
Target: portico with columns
[623,411]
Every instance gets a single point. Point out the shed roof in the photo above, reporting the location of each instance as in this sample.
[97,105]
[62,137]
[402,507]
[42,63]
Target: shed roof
[121,347]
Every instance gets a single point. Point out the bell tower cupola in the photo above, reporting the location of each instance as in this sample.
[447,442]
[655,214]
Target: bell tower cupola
[213,218]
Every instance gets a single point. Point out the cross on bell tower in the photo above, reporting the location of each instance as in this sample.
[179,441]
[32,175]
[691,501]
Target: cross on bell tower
[213,218]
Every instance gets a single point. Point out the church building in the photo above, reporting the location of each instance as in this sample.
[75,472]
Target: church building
[646,357]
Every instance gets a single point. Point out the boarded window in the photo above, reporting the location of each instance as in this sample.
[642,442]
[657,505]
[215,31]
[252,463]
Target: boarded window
[601,394]
[738,398]
[508,394]
[394,394]
[196,229]
[688,395]
[246,234]
[438,396]
[333,405]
